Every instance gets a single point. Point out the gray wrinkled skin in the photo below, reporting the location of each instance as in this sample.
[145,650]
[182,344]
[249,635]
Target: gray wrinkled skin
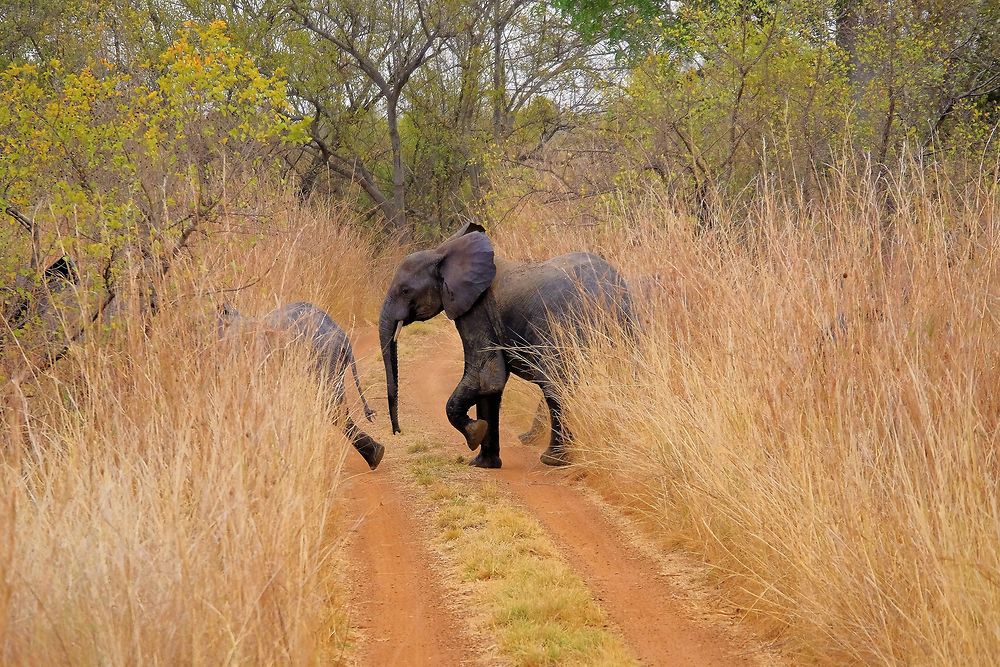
[647,291]
[331,353]
[509,316]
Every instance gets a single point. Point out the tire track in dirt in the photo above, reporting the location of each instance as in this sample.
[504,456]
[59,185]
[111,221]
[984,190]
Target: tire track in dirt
[627,585]
[398,600]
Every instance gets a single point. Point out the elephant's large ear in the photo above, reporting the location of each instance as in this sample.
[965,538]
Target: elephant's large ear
[467,228]
[467,270]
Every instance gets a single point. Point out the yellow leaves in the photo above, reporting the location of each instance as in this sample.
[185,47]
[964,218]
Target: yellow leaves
[82,141]
[206,75]
[25,71]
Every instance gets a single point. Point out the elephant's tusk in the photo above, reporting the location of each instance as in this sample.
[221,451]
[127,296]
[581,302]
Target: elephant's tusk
[395,336]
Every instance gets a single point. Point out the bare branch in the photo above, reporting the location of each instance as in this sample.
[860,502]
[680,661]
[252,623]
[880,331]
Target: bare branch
[23,221]
[364,63]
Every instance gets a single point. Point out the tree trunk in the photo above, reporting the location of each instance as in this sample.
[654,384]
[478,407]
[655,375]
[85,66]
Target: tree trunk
[396,208]
[499,80]
[309,179]
[851,24]
[847,32]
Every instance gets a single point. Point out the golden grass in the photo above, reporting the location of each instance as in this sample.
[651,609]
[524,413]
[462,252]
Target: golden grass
[813,412]
[170,499]
[518,586]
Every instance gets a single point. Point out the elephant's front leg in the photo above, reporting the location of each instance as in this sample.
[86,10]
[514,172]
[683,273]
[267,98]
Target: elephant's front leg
[466,394]
[488,410]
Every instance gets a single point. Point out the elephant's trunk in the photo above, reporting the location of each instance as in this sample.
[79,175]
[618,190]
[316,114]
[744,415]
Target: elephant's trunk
[388,330]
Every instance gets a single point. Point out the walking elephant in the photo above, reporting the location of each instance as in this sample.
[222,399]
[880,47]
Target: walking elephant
[506,313]
[331,354]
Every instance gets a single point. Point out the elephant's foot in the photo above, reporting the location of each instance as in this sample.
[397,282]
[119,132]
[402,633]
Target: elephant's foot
[475,433]
[376,456]
[486,461]
[370,450]
[555,457]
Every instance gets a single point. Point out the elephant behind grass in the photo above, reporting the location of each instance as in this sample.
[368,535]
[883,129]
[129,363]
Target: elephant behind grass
[331,354]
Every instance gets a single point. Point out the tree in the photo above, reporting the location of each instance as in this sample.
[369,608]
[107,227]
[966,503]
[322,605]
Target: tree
[385,49]
[472,113]
[636,26]
[118,169]
[725,93]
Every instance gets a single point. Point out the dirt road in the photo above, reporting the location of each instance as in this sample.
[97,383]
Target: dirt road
[631,589]
[403,612]
[398,603]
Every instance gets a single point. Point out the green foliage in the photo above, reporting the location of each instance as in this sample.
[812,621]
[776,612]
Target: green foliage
[708,95]
[920,70]
[77,32]
[742,90]
[635,25]
[108,162]
[777,91]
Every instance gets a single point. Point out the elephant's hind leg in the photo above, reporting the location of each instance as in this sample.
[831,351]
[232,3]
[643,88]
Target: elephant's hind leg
[370,449]
[538,424]
[555,455]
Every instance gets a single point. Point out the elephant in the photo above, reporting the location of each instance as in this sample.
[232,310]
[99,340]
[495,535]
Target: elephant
[507,314]
[331,355]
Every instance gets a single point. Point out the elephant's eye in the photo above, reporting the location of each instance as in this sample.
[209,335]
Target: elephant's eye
[404,290]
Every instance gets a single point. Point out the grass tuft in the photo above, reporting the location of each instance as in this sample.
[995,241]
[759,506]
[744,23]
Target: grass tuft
[171,499]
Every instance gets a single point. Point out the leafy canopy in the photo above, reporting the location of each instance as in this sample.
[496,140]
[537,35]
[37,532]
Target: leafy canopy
[102,158]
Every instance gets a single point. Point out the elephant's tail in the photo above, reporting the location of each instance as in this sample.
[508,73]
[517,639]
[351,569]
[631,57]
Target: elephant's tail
[369,413]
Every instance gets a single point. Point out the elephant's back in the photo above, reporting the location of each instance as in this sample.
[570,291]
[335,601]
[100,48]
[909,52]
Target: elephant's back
[591,273]
[580,281]
[560,293]
[310,323]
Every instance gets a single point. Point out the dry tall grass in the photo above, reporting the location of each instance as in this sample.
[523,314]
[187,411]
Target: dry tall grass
[813,411]
[167,498]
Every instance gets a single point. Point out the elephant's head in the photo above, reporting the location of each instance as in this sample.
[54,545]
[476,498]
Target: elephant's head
[227,318]
[450,277]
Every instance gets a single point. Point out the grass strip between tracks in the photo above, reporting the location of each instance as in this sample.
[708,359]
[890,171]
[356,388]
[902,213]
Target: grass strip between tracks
[524,593]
